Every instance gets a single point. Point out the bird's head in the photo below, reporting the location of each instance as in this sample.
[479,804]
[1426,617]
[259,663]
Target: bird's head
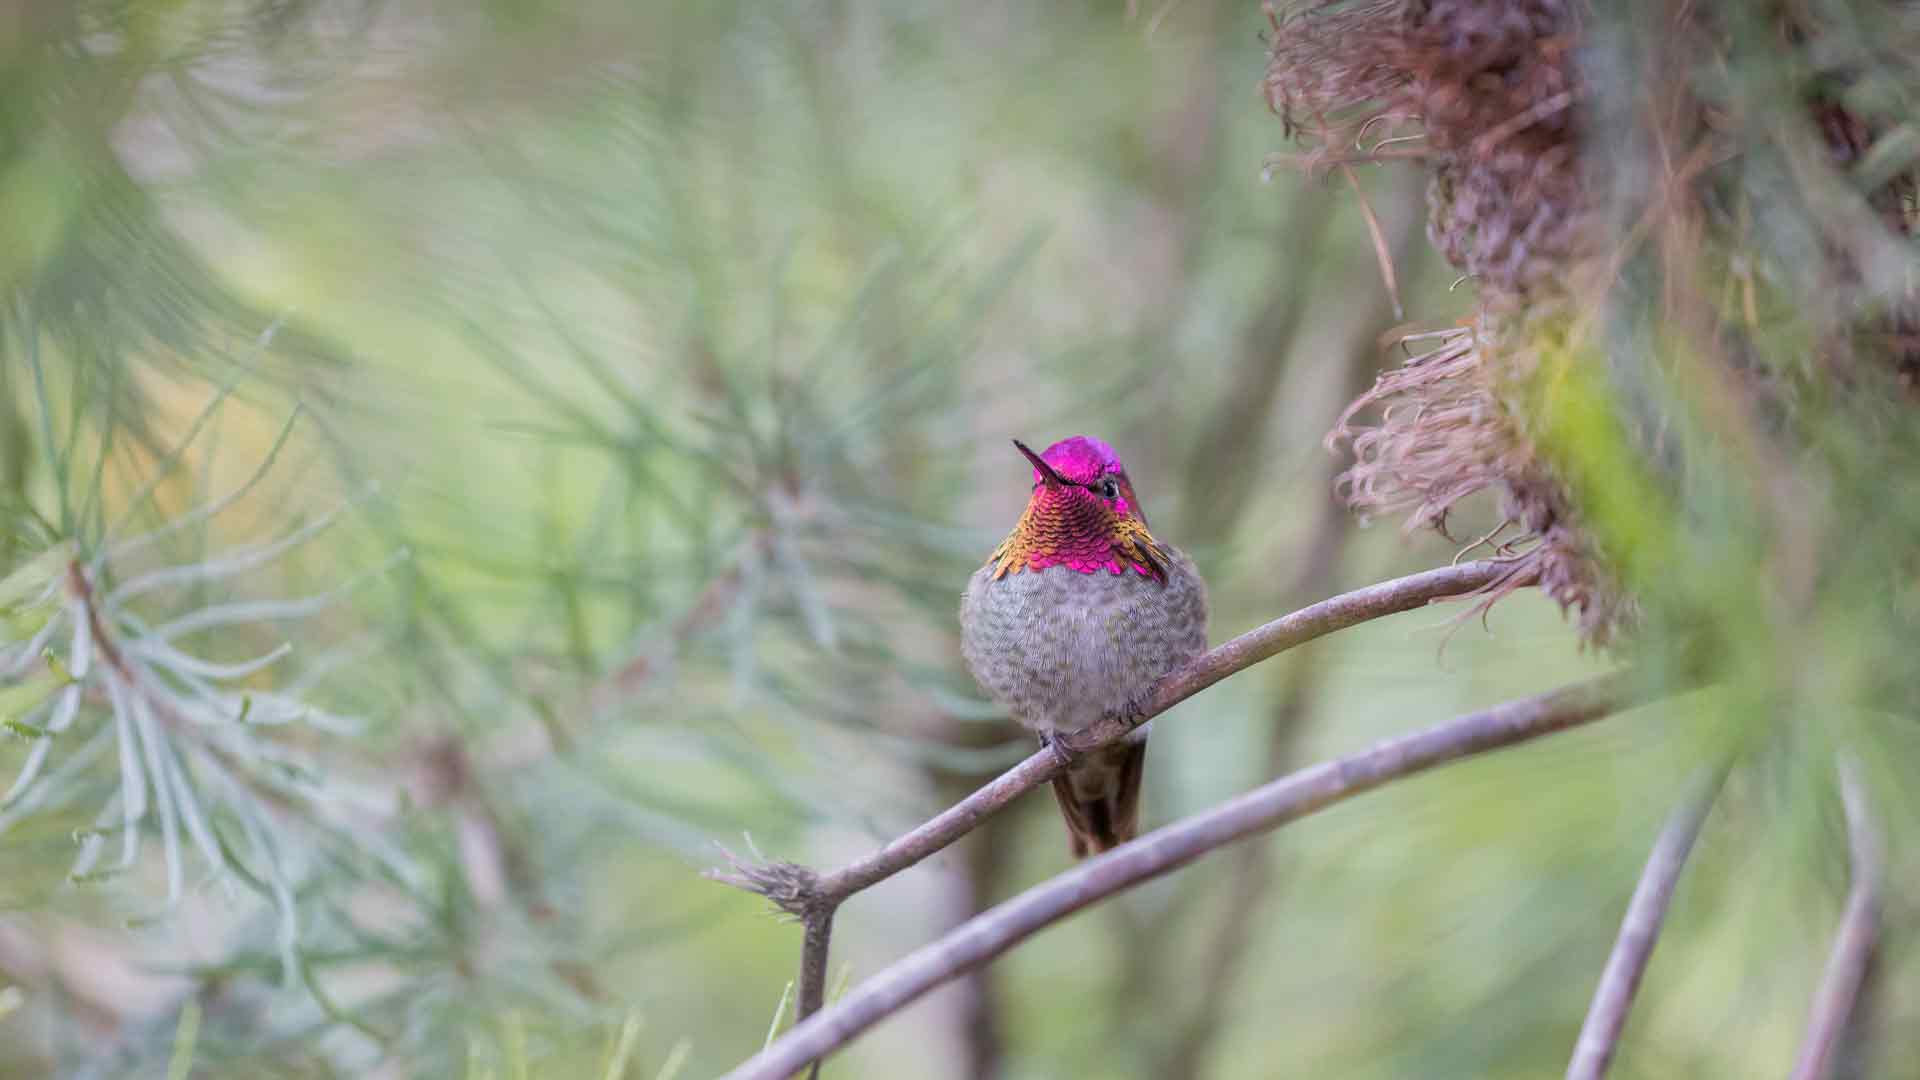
[1082,514]
[1080,470]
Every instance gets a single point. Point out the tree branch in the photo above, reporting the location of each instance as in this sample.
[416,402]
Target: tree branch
[1640,930]
[1294,796]
[1858,938]
[813,897]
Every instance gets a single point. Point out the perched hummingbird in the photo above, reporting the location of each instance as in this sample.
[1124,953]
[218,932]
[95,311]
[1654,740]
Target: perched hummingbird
[1074,616]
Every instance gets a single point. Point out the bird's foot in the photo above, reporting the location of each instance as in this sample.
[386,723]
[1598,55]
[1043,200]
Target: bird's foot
[1137,709]
[1055,743]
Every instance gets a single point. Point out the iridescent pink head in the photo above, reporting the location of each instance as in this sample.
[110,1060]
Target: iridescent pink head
[1088,465]
[1082,515]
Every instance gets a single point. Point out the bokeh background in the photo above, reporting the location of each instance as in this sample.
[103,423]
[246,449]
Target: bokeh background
[660,361]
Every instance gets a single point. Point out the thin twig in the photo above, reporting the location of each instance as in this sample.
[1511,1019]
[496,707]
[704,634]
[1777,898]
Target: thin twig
[1381,251]
[1294,796]
[810,897]
[1327,158]
[816,941]
[1640,930]
[1858,938]
[1520,122]
[817,929]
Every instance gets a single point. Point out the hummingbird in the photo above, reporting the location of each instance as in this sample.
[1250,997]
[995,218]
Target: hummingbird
[1074,616]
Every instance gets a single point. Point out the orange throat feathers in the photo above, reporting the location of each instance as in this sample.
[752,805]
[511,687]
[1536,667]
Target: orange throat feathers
[1066,526]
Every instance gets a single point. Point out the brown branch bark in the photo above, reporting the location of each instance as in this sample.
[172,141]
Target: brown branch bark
[1164,850]
[813,897]
[816,938]
[1640,930]
[1856,942]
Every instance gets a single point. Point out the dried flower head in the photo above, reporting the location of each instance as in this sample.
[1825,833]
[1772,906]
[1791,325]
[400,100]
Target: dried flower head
[1491,99]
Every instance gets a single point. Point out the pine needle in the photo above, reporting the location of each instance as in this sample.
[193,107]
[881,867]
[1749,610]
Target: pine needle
[779,1014]
[676,1059]
[622,1050]
[184,1038]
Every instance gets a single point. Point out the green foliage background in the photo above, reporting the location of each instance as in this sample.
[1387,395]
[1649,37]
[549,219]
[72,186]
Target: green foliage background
[665,357]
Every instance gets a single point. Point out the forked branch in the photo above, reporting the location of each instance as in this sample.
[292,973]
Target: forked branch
[1294,796]
[1640,930]
[1857,939]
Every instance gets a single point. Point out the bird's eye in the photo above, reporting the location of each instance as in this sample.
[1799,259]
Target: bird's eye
[1109,489]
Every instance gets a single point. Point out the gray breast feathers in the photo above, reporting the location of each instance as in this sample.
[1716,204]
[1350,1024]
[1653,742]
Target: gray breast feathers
[1058,648]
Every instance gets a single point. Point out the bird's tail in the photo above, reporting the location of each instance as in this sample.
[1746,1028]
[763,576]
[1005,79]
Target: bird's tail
[1100,796]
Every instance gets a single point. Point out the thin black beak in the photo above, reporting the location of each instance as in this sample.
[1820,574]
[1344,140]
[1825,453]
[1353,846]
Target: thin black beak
[1046,471]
